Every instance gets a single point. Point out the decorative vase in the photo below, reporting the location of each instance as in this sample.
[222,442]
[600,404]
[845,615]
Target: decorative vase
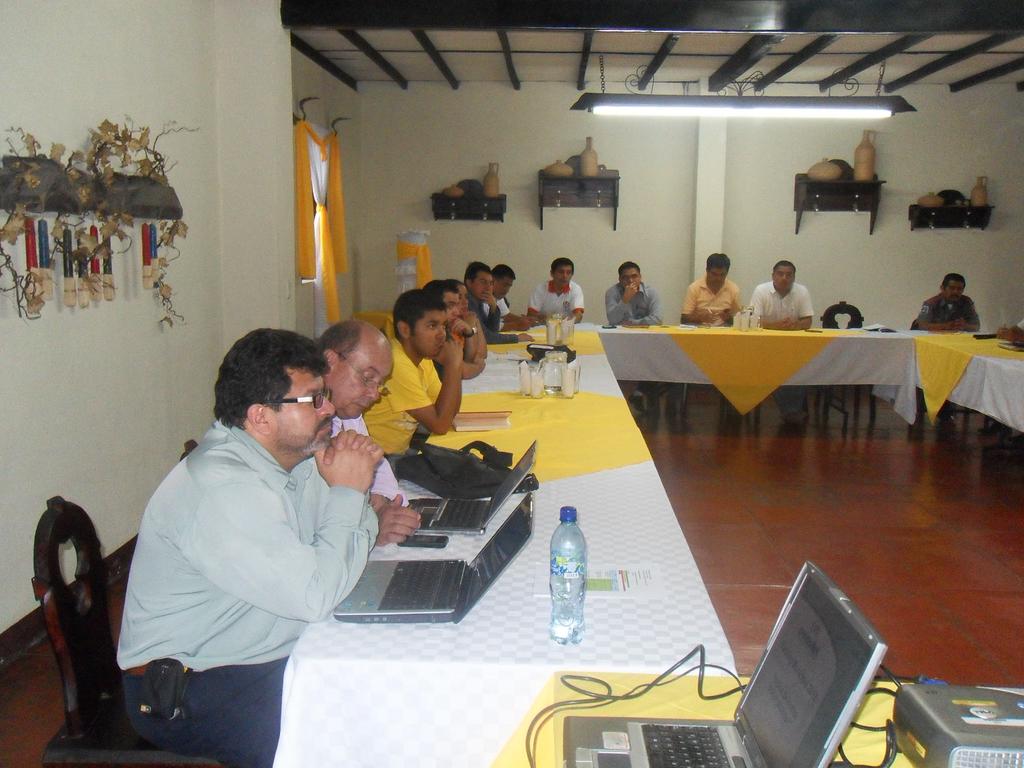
[979,195]
[588,159]
[931,200]
[491,181]
[453,191]
[826,170]
[864,159]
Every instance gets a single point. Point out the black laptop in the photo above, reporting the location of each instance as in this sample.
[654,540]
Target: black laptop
[435,590]
[820,659]
[472,515]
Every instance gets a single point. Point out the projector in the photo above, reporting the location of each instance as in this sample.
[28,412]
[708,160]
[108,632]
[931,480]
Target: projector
[955,726]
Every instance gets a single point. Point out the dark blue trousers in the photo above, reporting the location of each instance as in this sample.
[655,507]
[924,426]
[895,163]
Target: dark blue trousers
[233,715]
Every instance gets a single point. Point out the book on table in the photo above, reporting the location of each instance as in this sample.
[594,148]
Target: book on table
[481,421]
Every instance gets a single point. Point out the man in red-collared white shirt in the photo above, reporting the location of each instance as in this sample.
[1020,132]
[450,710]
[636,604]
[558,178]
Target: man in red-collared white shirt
[558,296]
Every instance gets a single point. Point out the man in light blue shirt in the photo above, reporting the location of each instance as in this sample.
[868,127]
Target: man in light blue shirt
[631,301]
[263,528]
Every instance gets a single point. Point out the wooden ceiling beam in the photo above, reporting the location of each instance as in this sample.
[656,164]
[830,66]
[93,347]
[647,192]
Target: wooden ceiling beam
[871,59]
[811,49]
[373,55]
[988,74]
[436,57]
[747,56]
[506,49]
[659,58]
[746,16]
[326,64]
[581,75]
[951,58]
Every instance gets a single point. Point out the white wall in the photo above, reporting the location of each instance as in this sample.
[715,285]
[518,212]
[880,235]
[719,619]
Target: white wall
[97,402]
[417,141]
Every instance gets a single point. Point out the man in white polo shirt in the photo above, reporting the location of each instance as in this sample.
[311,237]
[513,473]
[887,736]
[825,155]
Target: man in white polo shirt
[785,305]
[560,295]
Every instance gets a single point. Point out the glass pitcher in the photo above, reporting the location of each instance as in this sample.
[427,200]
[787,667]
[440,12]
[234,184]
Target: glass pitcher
[553,366]
[553,329]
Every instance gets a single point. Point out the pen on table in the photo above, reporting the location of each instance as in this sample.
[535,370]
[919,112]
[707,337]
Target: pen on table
[813,330]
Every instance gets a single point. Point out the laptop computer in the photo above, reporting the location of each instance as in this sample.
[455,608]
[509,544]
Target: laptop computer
[820,659]
[472,515]
[435,590]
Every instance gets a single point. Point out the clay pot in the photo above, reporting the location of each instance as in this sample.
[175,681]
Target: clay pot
[453,191]
[931,200]
[558,168]
[826,170]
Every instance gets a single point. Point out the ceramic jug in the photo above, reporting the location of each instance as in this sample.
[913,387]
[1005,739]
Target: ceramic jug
[979,195]
[491,181]
[588,159]
[864,159]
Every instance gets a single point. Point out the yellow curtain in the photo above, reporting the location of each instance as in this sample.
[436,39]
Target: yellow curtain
[336,205]
[305,258]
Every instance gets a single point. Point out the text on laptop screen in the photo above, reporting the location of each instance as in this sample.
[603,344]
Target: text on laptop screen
[805,679]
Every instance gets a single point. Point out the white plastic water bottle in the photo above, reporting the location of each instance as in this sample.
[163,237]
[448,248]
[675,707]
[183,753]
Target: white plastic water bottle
[568,579]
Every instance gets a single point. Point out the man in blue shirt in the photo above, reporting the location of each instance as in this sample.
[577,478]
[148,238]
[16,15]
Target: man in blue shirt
[631,301]
[480,282]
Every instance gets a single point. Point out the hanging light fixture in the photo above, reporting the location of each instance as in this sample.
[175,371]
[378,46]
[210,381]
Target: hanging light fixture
[821,107]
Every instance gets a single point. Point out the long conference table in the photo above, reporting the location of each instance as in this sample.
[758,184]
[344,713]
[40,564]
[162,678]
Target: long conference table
[453,695]
[747,366]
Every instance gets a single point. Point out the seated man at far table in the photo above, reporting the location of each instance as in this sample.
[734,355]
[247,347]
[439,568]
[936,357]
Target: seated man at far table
[949,309]
[785,305]
[782,303]
[631,301]
[260,530]
[462,325]
[482,302]
[1011,332]
[358,358]
[416,395]
[504,278]
[713,299]
[560,295]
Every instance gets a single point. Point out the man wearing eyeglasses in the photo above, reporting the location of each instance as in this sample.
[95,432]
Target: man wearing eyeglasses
[359,361]
[263,528]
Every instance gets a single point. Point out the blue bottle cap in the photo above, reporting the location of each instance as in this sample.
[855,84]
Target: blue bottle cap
[567,514]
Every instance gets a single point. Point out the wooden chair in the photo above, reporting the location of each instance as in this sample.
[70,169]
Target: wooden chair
[835,397]
[96,730]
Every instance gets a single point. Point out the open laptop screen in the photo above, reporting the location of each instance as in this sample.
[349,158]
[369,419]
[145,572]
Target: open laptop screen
[821,658]
[498,552]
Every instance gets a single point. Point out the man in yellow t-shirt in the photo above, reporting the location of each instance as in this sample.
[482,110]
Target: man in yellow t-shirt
[415,394]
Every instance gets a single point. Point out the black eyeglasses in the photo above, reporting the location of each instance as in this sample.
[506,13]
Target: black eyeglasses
[316,399]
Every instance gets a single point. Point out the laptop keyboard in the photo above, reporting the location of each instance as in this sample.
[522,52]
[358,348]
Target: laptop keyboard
[422,584]
[683,746]
[461,513]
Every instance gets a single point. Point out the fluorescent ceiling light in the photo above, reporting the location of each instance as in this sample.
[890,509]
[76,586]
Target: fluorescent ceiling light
[820,107]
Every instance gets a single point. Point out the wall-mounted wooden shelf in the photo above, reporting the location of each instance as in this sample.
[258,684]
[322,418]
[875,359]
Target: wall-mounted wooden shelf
[468,208]
[601,191]
[849,196]
[949,216]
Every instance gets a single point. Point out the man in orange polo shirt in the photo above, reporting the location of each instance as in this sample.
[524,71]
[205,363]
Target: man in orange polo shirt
[712,299]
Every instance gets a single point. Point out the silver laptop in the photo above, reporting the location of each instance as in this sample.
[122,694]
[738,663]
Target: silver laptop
[472,515]
[436,590]
[820,659]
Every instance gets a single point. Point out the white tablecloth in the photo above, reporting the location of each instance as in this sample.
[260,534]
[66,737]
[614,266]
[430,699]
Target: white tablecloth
[451,695]
[993,386]
[860,358]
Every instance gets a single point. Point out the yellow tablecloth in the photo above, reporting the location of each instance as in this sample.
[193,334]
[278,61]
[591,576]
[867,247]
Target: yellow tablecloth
[942,360]
[603,432]
[747,366]
[675,700]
